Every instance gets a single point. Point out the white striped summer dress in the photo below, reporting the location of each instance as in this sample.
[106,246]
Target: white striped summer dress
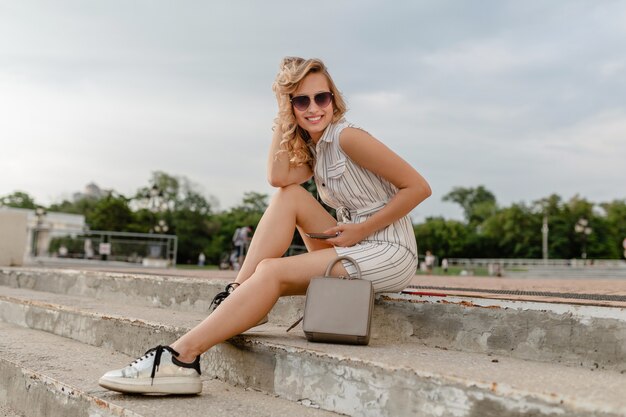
[388,257]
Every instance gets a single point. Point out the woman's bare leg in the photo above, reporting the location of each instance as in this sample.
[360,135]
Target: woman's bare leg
[254,298]
[290,207]
[265,276]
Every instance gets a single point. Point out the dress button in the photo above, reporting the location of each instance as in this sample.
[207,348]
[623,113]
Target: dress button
[323,184]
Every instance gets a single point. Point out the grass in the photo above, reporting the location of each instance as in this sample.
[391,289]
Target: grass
[189,266]
[456,271]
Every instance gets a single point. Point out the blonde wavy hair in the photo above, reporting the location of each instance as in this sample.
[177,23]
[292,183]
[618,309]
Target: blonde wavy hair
[295,139]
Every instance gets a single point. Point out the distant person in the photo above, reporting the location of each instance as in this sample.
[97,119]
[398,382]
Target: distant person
[444,265]
[354,173]
[233,260]
[241,240]
[88,248]
[201,259]
[429,260]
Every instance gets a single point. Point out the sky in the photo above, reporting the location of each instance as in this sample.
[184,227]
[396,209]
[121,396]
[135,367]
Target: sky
[527,98]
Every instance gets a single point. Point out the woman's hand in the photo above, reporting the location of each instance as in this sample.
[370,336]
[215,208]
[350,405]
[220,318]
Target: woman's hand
[348,234]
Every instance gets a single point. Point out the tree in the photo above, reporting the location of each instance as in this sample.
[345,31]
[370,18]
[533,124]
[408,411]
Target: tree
[615,214]
[445,238]
[254,202]
[190,221]
[184,208]
[111,213]
[84,206]
[18,199]
[564,242]
[174,192]
[478,203]
[513,232]
[193,231]
[223,225]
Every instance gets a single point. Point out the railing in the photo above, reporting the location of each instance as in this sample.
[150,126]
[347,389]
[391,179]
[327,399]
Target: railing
[142,248]
[544,263]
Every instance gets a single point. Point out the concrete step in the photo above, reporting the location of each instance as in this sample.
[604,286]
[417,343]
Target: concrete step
[576,335]
[9,412]
[383,379]
[42,374]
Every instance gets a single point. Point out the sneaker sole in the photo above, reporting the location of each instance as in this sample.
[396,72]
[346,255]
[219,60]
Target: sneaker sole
[161,385]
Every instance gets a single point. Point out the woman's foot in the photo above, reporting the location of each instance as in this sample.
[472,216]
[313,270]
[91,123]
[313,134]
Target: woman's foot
[156,372]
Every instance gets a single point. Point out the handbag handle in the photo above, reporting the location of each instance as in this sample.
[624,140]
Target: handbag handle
[340,258]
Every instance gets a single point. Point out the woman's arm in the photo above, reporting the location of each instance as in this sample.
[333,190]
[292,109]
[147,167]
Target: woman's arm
[279,172]
[373,155]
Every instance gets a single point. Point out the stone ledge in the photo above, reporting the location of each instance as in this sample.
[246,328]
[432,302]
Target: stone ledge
[49,382]
[383,378]
[576,335]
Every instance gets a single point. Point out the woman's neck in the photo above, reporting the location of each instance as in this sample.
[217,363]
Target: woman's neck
[316,136]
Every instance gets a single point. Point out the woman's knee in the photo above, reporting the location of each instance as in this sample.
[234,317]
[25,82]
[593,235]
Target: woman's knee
[289,192]
[268,270]
[271,271]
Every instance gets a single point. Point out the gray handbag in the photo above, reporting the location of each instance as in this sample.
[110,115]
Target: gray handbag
[338,310]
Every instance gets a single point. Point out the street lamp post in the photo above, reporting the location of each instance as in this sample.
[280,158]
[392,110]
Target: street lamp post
[157,204]
[544,234]
[161,227]
[156,201]
[582,227]
[40,214]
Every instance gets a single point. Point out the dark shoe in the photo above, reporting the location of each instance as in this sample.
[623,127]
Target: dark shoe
[156,372]
[221,296]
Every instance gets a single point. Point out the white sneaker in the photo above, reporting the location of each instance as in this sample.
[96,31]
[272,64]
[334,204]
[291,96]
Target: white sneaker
[157,372]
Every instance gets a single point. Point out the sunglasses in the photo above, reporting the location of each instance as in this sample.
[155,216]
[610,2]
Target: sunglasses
[303,102]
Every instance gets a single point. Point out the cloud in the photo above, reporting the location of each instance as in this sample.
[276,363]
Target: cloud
[507,95]
[486,58]
[595,140]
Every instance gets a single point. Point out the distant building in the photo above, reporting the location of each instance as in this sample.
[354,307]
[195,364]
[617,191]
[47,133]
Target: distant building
[91,191]
[43,226]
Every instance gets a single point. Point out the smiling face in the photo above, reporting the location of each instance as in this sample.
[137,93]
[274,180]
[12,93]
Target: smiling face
[314,119]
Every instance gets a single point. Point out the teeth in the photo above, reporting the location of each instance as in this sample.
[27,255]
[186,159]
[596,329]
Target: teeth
[314,119]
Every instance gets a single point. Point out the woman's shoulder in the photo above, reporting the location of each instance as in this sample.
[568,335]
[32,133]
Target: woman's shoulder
[337,133]
[352,132]
[340,125]
[334,129]
[344,124]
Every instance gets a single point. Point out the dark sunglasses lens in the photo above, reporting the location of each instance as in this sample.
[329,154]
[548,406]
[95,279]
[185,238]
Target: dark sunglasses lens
[301,102]
[323,99]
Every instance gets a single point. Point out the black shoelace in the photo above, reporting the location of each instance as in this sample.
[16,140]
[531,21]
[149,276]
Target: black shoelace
[156,352]
[221,296]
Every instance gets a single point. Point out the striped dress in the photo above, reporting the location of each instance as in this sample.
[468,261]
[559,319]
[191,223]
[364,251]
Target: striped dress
[387,257]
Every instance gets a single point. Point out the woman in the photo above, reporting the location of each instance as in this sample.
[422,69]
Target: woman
[372,189]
